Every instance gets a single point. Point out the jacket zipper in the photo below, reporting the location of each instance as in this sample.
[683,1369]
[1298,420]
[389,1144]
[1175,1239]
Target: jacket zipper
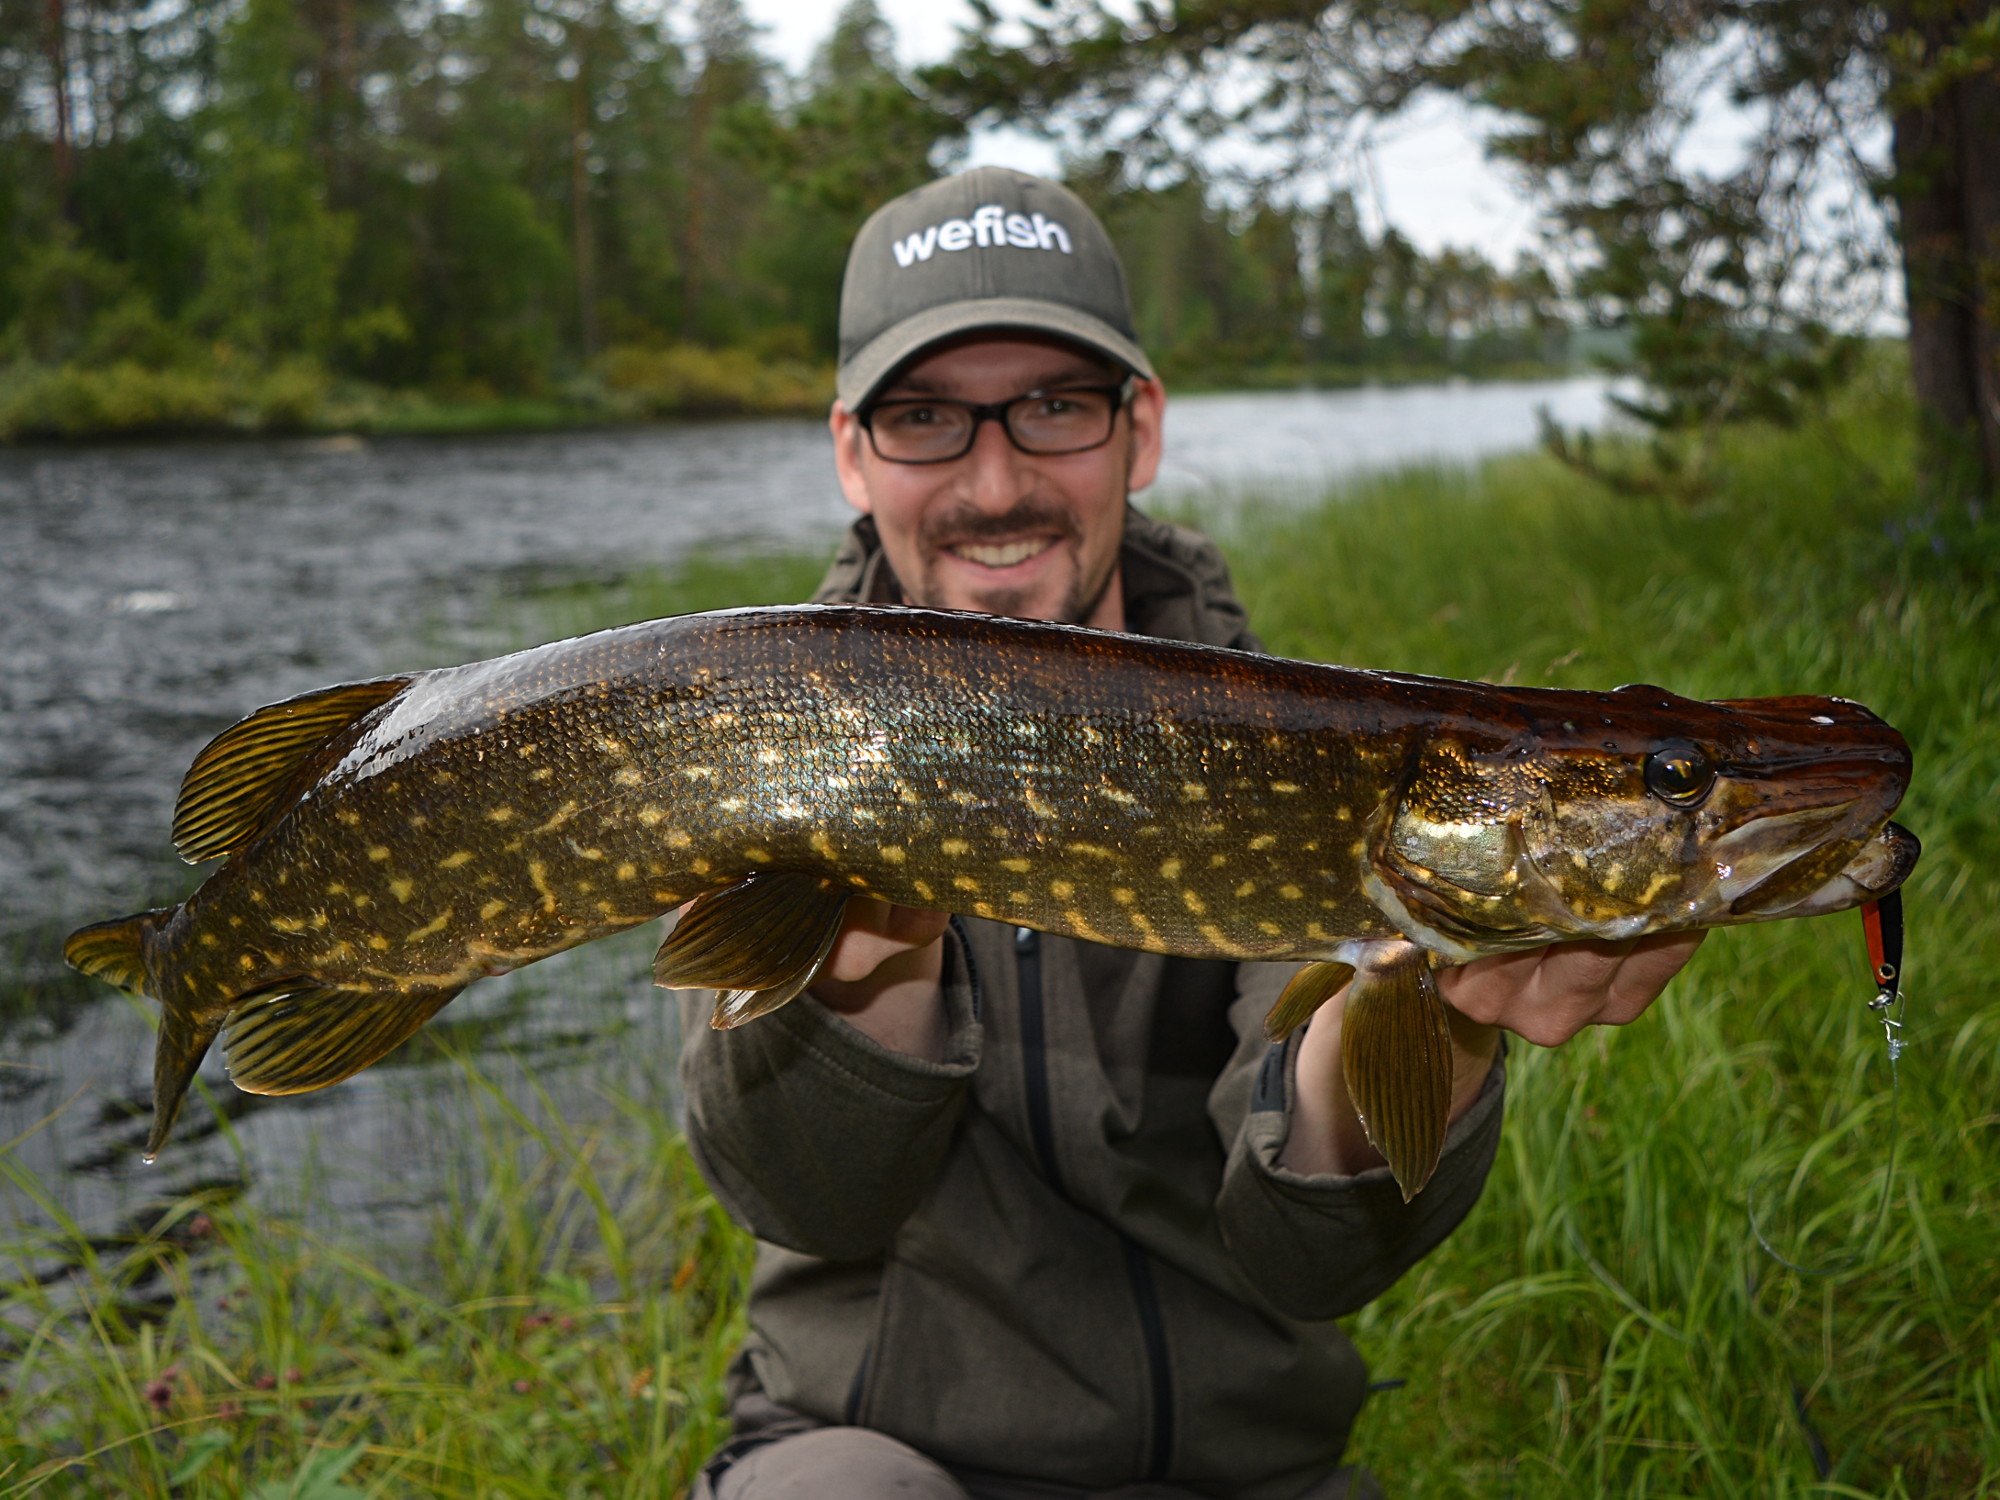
[1041,1130]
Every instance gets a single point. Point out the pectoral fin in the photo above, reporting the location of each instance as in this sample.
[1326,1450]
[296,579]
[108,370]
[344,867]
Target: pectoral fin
[1310,988]
[1396,1052]
[297,1039]
[759,942]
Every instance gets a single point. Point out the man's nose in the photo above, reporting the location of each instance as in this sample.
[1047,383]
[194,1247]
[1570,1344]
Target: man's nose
[1000,473]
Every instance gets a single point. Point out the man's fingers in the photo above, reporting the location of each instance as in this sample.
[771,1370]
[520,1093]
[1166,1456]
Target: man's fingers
[873,932]
[1549,994]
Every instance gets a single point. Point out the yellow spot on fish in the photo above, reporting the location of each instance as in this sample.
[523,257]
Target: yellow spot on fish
[650,816]
[1170,869]
[1062,890]
[524,751]
[1314,930]
[1036,804]
[701,867]
[288,924]
[401,889]
[257,898]
[1123,895]
[610,746]
[556,820]
[1143,923]
[955,847]
[923,889]
[246,963]
[891,853]
[678,840]
[698,773]
[768,757]
[984,909]
[1019,898]
[378,852]
[1270,929]
[1290,892]
[1286,787]
[761,856]
[1193,902]
[1220,938]
[419,821]
[538,873]
[627,776]
[1118,795]
[491,910]
[1248,888]
[1194,791]
[209,940]
[336,889]
[964,883]
[1093,851]
[453,861]
[1018,866]
[319,920]
[1614,875]
[348,816]
[434,925]
[500,815]
[822,845]
[1264,841]
[543,774]
[628,871]
[363,900]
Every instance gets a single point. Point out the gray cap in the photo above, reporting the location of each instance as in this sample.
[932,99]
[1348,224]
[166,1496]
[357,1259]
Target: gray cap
[989,248]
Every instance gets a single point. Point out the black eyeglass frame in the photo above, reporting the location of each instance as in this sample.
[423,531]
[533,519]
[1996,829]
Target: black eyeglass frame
[997,411]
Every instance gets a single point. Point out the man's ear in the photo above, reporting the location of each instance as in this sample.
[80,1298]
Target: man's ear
[847,440]
[1148,408]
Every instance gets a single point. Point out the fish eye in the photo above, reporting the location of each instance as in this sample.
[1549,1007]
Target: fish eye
[1680,773]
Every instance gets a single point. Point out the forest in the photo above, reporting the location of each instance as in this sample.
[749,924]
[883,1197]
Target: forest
[260,213]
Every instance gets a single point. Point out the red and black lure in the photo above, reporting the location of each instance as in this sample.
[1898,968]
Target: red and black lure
[1883,922]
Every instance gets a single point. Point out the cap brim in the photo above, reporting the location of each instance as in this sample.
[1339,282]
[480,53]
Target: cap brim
[861,377]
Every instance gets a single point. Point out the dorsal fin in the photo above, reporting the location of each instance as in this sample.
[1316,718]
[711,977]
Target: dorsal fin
[231,791]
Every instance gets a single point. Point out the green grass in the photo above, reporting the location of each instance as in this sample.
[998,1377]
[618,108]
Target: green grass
[1604,1323]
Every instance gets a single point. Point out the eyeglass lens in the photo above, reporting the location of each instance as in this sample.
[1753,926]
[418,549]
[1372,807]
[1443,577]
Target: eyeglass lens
[1044,422]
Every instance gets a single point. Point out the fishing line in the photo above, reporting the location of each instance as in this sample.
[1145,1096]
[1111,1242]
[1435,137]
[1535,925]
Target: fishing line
[1882,922]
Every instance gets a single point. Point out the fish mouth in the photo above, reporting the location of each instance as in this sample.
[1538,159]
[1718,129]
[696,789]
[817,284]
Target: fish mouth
[1835,877]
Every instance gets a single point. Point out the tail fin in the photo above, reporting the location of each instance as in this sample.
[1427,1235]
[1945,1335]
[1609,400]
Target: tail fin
[119,953]
[115,952]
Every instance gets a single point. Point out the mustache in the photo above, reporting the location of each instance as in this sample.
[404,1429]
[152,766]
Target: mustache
[968,524]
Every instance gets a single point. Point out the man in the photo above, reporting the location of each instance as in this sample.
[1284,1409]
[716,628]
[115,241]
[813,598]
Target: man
[1039,1217]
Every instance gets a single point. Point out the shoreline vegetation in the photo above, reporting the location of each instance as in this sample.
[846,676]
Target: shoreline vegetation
[224,395]
[1606,1322]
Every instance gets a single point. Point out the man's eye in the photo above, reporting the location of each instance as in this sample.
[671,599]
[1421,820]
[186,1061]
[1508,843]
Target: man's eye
[911,416]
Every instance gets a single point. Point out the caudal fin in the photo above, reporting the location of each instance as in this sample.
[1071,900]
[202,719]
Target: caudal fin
[119,953]
[115,952]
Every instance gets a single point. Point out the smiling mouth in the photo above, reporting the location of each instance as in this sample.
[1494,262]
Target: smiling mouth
[1001,554]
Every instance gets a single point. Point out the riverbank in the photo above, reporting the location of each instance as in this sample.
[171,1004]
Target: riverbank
[1606,1322]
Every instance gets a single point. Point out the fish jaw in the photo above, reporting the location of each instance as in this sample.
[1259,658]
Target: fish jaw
[1879,866]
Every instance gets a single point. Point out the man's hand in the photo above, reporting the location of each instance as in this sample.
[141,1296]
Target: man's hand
[1545,996]
[883,975]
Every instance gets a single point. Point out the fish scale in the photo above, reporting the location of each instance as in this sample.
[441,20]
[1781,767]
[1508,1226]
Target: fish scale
[387,843]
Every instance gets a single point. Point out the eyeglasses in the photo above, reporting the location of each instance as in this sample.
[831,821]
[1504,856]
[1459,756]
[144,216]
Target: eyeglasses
[937,429]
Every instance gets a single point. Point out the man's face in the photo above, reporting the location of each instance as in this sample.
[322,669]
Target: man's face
[1002,531]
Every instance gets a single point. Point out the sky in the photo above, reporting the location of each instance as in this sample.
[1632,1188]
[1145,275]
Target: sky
[1427,174]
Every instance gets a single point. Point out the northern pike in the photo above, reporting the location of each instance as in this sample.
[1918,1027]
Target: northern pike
[386,843]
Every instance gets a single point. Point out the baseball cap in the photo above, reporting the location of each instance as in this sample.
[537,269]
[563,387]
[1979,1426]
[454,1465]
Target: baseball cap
[989,248]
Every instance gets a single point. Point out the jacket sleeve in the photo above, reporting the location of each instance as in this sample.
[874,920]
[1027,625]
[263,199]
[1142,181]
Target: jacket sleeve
[812,1135]
[1324,1246]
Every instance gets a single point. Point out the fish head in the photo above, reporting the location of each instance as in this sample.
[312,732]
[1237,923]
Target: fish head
[1611,815]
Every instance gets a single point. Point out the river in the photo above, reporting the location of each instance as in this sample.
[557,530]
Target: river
[150,594]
